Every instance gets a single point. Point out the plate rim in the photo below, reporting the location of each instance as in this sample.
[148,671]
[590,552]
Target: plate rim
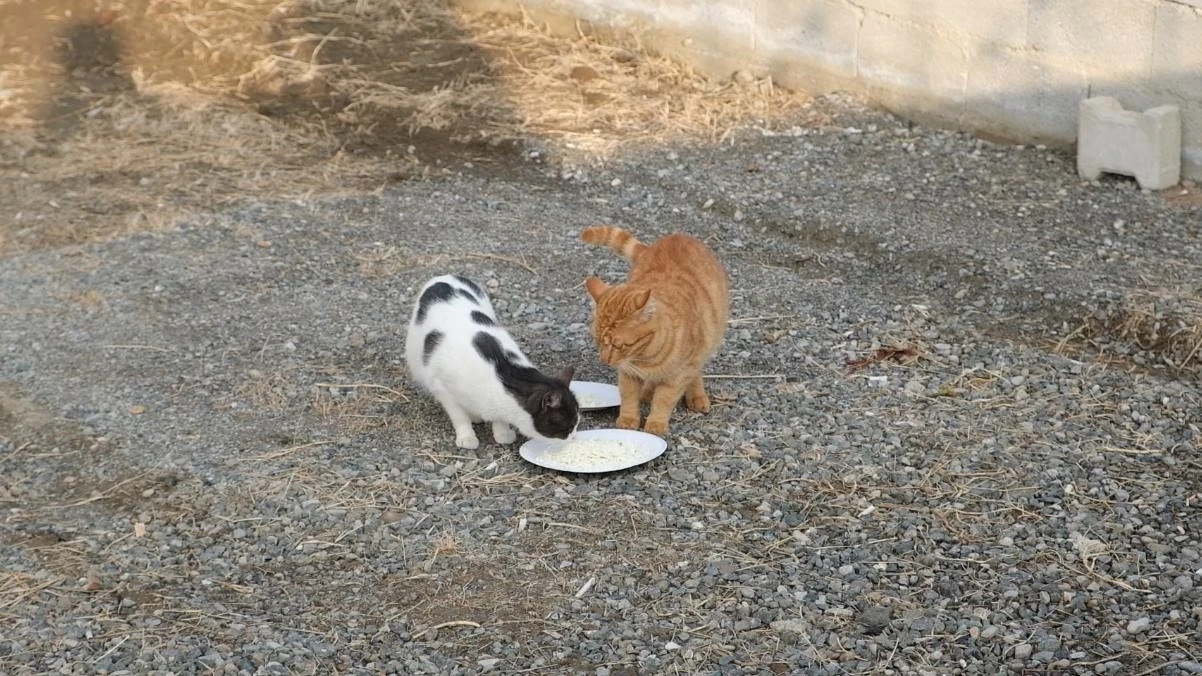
[660,443]
[608,386]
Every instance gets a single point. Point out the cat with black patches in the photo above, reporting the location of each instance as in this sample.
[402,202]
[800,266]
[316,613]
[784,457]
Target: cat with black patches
[459,353]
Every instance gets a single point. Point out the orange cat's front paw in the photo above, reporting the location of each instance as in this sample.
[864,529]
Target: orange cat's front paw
[700,404]
[656,427]
[628,422]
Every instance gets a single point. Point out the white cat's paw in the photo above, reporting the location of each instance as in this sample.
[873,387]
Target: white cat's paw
[467,440]
[503,433]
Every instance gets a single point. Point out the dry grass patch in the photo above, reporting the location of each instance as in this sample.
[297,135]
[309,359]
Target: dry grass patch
[357,407]
[262,391]
[385,262]
[1165,323]
[597,96]
[129,115]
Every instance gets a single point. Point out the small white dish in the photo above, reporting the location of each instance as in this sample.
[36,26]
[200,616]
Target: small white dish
[594,451]
[593,396]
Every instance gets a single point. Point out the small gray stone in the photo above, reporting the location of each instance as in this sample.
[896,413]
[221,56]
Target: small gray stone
[1139,625]
[791,626]
[1022,651]
[679,474]
[875,618]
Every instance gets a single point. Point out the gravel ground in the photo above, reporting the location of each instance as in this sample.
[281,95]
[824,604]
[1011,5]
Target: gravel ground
[212,460]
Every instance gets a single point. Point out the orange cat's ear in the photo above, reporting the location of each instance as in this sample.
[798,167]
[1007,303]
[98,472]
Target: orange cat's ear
[649,309]
[644,304]
[595,287]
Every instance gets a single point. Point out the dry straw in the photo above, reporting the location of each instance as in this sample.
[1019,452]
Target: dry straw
[128,117]
[1165,323]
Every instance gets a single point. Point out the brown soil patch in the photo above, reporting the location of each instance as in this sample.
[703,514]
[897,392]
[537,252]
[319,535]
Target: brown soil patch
[1186,196]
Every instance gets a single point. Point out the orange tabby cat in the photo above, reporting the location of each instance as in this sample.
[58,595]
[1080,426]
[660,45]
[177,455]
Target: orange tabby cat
[661,326]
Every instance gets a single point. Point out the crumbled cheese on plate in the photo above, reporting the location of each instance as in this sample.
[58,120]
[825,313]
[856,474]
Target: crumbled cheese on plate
[590,451]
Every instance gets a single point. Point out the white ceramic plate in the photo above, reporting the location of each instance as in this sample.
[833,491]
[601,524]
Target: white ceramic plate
[592,451]
[592,396]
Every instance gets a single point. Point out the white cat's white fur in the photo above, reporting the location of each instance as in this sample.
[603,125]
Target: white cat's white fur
[463,382]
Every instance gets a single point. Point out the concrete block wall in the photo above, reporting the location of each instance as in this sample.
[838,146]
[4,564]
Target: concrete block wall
[1016,69]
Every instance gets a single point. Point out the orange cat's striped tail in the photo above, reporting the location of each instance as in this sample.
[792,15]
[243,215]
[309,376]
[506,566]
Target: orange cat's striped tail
[621,240]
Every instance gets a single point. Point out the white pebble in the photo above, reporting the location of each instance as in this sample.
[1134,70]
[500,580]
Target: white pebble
[1139,625]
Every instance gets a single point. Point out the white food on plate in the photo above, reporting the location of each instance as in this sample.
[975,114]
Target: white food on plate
[592,452]
[588,400]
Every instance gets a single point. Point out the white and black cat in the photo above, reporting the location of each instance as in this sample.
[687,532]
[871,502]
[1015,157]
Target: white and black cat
[462,356]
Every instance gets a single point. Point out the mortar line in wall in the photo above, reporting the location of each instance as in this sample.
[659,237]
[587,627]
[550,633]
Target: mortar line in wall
[755,22]
[855,52]
[1155,29]
[1187,5]
[1027,27]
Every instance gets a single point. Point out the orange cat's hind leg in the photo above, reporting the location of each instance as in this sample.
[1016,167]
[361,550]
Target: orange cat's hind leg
[695,398]
[647,392]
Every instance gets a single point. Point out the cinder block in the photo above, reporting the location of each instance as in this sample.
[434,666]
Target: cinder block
[1023,95]
[1110,36]
[1145,145]
[821,32]
[894,54]
[1145,95]
[1001,21]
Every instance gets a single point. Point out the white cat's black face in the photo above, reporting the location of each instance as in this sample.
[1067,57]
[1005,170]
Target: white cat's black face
[549,401]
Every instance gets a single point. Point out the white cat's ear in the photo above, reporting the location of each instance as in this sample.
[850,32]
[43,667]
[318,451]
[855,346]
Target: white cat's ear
[566,374]
[551,400]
